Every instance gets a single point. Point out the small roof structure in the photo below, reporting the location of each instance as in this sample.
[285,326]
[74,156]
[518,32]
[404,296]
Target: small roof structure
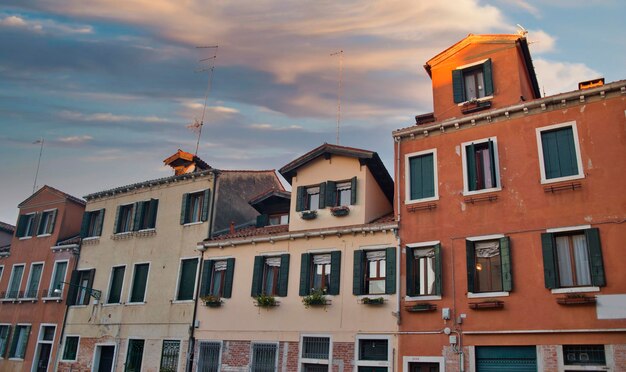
[271,201]
[185,162]
[54,191]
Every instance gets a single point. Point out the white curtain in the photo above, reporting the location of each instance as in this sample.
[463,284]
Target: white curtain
[273,261]
[220,266]
[321,259]
[375,255]
[487,249]
[581,256]
[564,259]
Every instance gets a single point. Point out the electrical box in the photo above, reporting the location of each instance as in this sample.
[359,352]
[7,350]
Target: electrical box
[445,313]
[452,339]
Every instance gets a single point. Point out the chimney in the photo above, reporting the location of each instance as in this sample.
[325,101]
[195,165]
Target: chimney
[184,162]
[591,84]
[232,227]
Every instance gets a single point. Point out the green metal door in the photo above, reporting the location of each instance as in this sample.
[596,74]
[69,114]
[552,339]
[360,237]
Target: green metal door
[506,358]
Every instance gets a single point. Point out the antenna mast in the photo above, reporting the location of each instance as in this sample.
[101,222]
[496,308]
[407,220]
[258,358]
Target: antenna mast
[340,54]
[208,89]
[39,141]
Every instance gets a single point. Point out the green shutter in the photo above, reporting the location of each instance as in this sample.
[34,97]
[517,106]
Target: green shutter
[73,288]
[205,280]
[438,270]
[488,77]
[412,280]
[7,337]
[139,209]
[92,276]
[283,275]
[138,292]
[390,270]
[505,255]
[358,273]
[257,276]
[99,222]
[14,342]
[549,261]
[183,209]
[206,201]
[300,198]
[458,91]
[116,285]
[471,264]
[116,226]
[21,225]
[227,292]
[186,286]
[422,176]
[36,221]
[492,160]
[470,156]
[154,207]
[550,154]
[305,274]
[262,220]
[331,194]
[353,193]
[322,203]
[53,219]
[335,273]
[567,152]
[84,226]
[595,257]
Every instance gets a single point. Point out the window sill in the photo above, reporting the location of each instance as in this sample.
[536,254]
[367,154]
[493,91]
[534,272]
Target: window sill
[135,303]
[68,361]
[421,298]
[416,201]
[90,238]
[17,359]
[78,306]
[487,98]
[483,191]
[112,304]
[25,237]
[561,179]
[575,290]
[487,294]
[44,235]
[46,299]
[182,301]
[193,223]
[122,235]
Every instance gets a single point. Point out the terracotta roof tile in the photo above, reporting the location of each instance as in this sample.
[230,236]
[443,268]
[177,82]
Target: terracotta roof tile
[7,227]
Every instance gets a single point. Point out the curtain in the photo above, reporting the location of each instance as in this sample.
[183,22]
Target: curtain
[581,256]
[564,259]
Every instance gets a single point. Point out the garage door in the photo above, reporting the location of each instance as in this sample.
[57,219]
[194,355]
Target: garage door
[506,358]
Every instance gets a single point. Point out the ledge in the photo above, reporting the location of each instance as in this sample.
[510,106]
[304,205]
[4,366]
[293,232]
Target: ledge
[423,307]
[421,207]
[568,186]
[484,305]
[479,199]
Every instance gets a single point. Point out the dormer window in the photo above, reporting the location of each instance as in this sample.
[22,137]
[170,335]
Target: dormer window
[312,198]
[278,219]
[472,82]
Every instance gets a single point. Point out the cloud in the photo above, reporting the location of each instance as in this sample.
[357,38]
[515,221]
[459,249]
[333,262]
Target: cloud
[558,77]
[270,127]
[43,25]
[222,110]
[13,21]
[108,117]
[75,139]
[524,5]
[540,42]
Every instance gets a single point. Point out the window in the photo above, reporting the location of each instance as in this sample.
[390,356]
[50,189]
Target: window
[270,276]
[34,278]
[572,259]
[70,350]
[584,355]
[472,82]
[480,165]
[217,278]
[421,176]
[124,219]
[46,222]
[145,215]
[169,355]
[15,281]
[209,359]
[115,285]
[423,270]
[187,279]
[5,329]
[92,223]
[278,219]
[264,357]
[81,283]
[43,348]
[374,272]
[19,342]
[315,354]
[134,356]
[310,198]
[342,193]
[195,207]
[140,281]
[320,271]
[58,277]
[373,353]
[489,265]
[559,154]
[25,225]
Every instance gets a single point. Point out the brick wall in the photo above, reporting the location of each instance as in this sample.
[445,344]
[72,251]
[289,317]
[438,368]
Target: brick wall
[619,356]
[343,356]
[548,357]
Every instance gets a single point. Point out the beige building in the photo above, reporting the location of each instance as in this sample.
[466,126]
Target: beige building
[132,296]
[311,287]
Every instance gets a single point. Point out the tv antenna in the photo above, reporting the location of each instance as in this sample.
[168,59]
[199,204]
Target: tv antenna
[340,54]
[210,61]
[39,141]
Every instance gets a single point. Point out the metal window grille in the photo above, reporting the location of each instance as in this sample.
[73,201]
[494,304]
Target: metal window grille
[315,347]
[169,356]
[263,358]
[315,368]
[209,359]
[584,355]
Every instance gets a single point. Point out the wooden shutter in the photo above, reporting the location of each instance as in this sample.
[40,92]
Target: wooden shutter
[335,273]
[117,281]
[488,77]
[438,270]
[470,157]
[283,275]
[358,273]
[322,203]
[21,225]
[53,219]
[305,274]
[566,151]
[458,90]
[492,160]
[90,279]
[595,257]
[412,280]
[84,226]
[257,276]
[505,256]
[331,194]
[205,280]
[300,198]
[4,352]
[187,285]
[422,176]
[353,193]
[228,280]
[139,209]
[549,261]
[262,220]
[99,222]
[138,291]
[154,207]
[183,209]
[390,270]
[35,225]
[116,225]
[471,264]
[206,201]
[73,289]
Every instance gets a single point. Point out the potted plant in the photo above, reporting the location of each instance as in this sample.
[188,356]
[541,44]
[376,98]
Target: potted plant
[340,211]
[308,215]
[264,300]
[576,299]
[373,300]
[211,301]
[316,298]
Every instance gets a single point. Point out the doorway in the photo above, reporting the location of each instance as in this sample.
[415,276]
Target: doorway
[44,347]
[104,357]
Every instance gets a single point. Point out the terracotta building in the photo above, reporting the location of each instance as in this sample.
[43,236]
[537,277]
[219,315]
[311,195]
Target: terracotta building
[511,212]
[312,286]
[33,276]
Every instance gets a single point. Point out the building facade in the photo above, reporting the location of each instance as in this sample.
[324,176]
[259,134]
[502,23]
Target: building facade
[511,213]
[33,279]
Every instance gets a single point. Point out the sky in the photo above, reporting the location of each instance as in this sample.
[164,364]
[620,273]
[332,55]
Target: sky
[111,85]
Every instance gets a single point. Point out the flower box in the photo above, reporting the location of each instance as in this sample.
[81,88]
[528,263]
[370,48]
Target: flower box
[474,106]
[490,304]
[211,301]
[308,215]
[265,301]
[373,301]
[576,299]
[316,298]
[421,307]
[340,211]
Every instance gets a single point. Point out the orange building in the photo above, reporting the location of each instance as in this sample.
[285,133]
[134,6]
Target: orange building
[33,273]
[511,211]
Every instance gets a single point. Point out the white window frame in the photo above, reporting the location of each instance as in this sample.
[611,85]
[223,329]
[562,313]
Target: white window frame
[41,341]
[407,176]
[263,342]
[62,351]
[328,362]
[107,303]
[92,214]
[8,345]
[1,271]
[608,355]
[13,336]
[219,362]
[180,347]
[132,281]
[423,359]
[422,245]
[373,363]
[30,277]
[29,234]
[581,173]
[96,355]
[23,265]
[469,66]
[195,283]
[44,234]
[480,238]
[191,223]
[496,160]
[54,272]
